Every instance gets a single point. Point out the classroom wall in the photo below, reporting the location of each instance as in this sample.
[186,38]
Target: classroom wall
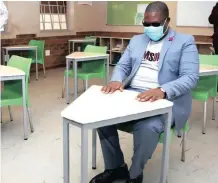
[23,25]
[94,18]
[24,19]
[86,18]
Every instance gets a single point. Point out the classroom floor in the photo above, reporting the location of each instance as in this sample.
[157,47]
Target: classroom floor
[39,159]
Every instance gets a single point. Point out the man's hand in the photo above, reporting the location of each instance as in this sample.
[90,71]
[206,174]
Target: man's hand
[151,95]
[112,87]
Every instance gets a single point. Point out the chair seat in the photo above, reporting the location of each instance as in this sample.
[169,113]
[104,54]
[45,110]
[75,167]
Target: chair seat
[84,75]
[201,93]
[11,98]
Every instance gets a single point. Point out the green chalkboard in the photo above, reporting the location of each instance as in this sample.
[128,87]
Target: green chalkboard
[125,12]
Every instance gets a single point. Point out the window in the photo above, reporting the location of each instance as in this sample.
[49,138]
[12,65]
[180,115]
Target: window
[53,15]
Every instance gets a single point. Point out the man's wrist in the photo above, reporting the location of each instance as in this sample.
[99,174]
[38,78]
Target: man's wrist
[164,92]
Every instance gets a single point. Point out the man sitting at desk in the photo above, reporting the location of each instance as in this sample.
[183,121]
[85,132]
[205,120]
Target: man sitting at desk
[159,64]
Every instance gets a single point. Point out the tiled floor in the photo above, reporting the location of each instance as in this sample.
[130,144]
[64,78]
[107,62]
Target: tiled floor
[39,159]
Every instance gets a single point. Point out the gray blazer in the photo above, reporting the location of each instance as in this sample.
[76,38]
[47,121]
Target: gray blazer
[178,70]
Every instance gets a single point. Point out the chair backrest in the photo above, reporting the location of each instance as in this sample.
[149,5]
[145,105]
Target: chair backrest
[40,50]
[94,66]
[24,65]
[85,44]
[90,37]
[209,80]
[209,59]
[86,37]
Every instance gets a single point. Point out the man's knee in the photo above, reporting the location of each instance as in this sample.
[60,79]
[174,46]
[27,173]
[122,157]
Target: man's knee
[107,131]
[152,124]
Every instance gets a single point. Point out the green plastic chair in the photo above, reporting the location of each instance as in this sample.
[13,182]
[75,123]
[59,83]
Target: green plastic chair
[89,69]
[40,53]
[128,128]
[85,44]
[12,92]
[207,87]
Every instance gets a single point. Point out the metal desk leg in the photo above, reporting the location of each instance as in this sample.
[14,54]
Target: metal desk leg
[7,57]
[69,47]
[24,109]
[165,154]
[214,106]
[84,155]
[67,82]
[66,154]
[107,70]
[75,79]
[94,135]
[3,57]
[73,47]
[205,118]
[37,74]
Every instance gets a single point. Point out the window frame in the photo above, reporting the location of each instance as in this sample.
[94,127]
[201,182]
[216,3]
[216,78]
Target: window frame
[51,14]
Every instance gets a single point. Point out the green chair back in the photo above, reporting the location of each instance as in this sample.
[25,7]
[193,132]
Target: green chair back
[209,59]
[40,51]
[90,37]
[15,86]
[85,44]
[209,80]
[94,66]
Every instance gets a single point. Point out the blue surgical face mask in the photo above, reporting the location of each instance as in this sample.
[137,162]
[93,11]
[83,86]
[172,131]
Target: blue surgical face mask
[155,33]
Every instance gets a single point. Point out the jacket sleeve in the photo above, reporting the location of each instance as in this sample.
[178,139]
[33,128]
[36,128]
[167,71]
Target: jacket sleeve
[123,68]
[213,18]
[188,71]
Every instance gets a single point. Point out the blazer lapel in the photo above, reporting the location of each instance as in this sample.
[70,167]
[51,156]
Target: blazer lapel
[166,45]
[141,47]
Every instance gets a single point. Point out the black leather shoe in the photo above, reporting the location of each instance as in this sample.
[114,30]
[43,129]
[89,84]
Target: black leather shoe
[138,179]
[108,176]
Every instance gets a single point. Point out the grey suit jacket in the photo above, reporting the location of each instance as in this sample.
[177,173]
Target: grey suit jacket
[178,69]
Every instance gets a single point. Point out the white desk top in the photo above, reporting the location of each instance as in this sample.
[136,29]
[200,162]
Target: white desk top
[208,70]
[94,106]
[19,47]
[6,71]
[82,40]
[84,55]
